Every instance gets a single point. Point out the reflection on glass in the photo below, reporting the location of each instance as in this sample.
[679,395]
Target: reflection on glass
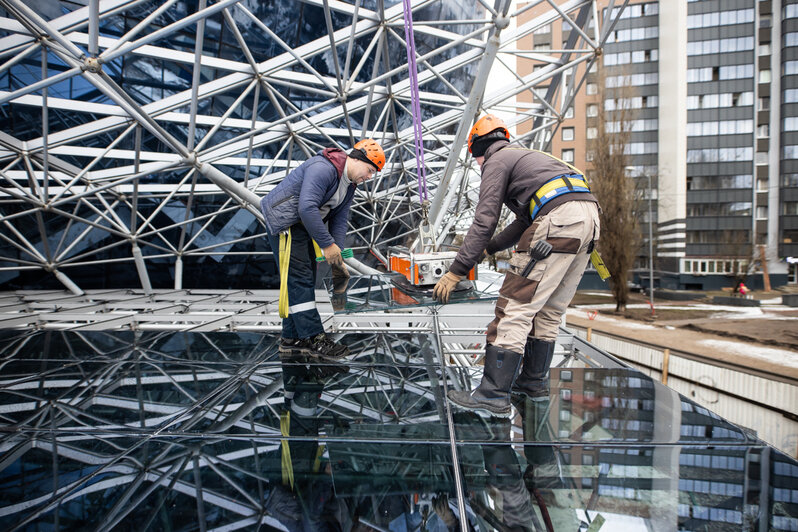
[392,291]
[137,431]
[618,405]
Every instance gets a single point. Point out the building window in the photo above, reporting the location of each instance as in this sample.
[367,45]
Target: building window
[762,212]
[763,104]
[789,180]
[763,131]
[568,156]
[568,133]
[764,76]
[761,157]
[592,88]
[592,110]
[764,49]
[569,113]
[592,132]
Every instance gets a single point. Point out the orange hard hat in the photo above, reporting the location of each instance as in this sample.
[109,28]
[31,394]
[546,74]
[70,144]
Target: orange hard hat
[485,126]
[372,152]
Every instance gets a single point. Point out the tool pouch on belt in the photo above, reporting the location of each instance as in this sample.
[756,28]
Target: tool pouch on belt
[539,251]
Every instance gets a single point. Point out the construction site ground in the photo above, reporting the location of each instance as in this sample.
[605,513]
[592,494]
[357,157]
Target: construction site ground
[764,337]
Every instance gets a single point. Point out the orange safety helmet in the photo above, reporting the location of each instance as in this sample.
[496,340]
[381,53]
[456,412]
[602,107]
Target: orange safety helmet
[485,126]
[372,153]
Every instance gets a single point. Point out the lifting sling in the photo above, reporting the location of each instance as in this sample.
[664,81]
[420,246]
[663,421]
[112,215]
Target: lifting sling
[285,261]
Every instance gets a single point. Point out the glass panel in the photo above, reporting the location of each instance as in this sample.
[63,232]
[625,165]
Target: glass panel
[153,430]
[393,291]
[216,383]
[611,405]
[544,487]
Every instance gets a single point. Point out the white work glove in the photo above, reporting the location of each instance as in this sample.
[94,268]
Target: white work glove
[332,254]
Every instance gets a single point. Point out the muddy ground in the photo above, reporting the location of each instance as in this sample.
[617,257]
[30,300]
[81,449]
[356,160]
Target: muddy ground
[776,326]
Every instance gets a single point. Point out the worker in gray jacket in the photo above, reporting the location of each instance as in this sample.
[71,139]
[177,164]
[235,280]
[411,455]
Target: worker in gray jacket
[309,209]
[556,228]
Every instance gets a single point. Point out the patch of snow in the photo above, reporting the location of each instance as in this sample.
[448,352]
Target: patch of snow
[778,356]
[577,313]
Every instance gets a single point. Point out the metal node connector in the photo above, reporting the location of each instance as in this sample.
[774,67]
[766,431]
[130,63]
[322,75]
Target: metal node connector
[92,64]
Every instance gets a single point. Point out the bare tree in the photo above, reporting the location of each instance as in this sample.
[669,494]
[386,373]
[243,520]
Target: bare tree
[615,191]
[744,259]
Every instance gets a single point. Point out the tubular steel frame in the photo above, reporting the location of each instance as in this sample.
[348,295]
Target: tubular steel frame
[35,177]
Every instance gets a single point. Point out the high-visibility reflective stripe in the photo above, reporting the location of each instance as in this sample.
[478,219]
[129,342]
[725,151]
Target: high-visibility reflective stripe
[302,410]
[302,307]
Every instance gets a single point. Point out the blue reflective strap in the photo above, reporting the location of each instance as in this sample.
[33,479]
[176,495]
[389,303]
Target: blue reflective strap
[551,189]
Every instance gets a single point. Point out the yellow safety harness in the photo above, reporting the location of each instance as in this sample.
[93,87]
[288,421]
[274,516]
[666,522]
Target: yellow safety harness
[557,186]
[562,184]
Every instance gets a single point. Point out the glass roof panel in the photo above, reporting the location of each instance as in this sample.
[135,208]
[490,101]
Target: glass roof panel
[132,430]
[392,291]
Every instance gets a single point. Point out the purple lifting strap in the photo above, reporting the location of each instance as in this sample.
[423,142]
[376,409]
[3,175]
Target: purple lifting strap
[415,105]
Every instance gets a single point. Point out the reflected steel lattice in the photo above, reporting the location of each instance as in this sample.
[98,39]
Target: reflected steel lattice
[120,170]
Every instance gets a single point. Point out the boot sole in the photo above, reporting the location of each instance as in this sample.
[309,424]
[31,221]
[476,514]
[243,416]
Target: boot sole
[493,413]
[543,394]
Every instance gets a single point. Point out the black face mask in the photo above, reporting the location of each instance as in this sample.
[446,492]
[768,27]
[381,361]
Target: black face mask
[359,155]
[479,146]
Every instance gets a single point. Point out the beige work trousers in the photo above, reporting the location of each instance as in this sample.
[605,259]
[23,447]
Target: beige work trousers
[533,306]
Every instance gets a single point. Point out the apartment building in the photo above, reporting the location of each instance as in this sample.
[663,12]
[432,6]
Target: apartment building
[713,140]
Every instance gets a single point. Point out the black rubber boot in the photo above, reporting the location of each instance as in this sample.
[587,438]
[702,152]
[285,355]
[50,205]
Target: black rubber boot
[493,393]
[534,378]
